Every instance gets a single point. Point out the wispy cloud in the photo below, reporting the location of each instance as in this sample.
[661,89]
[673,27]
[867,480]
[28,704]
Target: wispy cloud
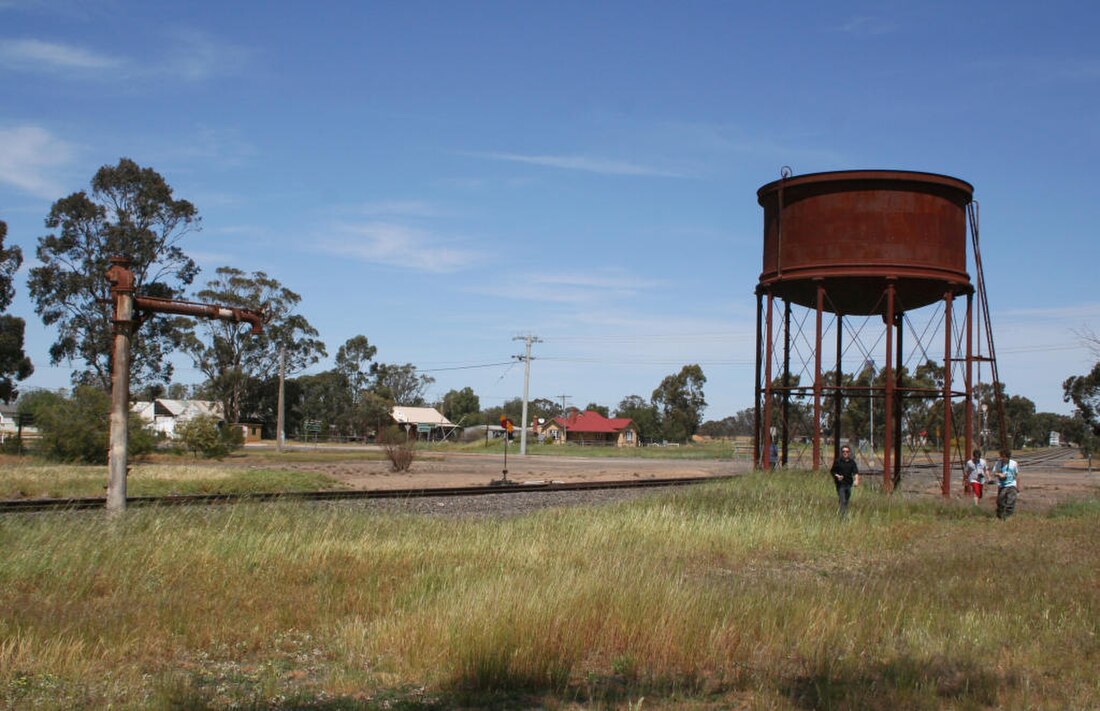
[189,56]
[716,148]
[399,246]
[865,26]
[38,55]
[197,56]
[587,164]
[573,287]
[1069,312]
[28,154]
[1029,70]
[213,148]
[399,208]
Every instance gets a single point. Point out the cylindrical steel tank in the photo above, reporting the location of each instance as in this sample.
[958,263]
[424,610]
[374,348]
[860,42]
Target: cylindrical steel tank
[857,231]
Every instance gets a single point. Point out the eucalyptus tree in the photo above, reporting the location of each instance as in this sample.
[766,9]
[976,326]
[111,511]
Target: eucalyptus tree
[325,398]
[230,356]
[461,406]
[353,361]
[544,408]
[1084,392]
[400,384]
[14,363]
[644,415]
[680,401]
[598,408]
[130,211]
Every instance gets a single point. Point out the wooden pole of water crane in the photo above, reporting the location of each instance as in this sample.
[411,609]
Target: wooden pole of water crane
[122,322]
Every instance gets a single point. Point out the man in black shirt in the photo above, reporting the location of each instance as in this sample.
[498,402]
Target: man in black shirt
[845,475]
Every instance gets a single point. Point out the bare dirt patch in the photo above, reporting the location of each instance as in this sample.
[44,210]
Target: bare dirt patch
[456,470]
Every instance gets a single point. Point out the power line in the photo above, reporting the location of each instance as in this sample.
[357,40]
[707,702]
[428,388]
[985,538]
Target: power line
[465,367]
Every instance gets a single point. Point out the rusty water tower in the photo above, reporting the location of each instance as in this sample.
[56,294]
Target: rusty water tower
[848,257]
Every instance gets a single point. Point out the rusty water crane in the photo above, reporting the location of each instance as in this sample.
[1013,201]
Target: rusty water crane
[866,247]
[130,310]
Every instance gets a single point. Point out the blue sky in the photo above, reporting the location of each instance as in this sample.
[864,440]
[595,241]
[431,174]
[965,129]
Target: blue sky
[444,176]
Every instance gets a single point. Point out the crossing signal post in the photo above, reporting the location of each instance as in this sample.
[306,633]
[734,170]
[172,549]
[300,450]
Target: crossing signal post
[508,427]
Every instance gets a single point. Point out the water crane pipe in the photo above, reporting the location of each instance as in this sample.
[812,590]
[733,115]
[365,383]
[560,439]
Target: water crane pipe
[129,310]
[189,308]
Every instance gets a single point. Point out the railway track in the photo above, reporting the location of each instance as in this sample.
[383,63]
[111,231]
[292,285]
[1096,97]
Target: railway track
[76,504]
[1042,458]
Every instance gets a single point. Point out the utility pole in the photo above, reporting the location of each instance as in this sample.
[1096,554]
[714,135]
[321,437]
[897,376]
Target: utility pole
[280,425]
[563,398]
[528,340]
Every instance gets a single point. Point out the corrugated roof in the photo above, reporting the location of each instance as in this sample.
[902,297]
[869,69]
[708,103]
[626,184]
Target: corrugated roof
[591,421]
[177,408]
[419,416]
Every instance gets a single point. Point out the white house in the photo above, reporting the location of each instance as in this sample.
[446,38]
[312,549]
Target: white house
[9,426]
[164,414]
[423,420]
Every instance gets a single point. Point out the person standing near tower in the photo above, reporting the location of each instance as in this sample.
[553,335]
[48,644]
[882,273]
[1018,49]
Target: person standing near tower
[975,474]
[1007,472]
[845,475]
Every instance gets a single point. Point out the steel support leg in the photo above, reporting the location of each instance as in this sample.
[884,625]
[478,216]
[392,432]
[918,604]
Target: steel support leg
[838,383]
[766,450]
[948,300]
[888,399]
[783,450]
[817,378]
[756,401]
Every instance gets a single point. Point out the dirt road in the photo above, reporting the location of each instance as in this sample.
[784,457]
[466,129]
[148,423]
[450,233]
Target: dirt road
[454,469]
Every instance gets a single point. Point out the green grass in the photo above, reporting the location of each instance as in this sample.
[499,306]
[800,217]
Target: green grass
[747,594]
[35,480]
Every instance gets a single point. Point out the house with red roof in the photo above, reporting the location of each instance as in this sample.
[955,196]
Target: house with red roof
[591,428]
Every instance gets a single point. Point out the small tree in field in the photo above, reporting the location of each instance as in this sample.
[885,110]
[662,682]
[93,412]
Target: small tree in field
[400,449]
[204,434]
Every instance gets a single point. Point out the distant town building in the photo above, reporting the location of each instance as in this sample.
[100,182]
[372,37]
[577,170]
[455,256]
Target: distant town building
[164,415]
[591,428]
[9,423]
[423,422]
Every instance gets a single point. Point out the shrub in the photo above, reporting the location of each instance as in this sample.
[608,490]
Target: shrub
[12,445]
[208,436]
[400,449]
[77,428]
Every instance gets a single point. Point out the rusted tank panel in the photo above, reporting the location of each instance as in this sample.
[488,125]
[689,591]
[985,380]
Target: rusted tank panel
[856,231]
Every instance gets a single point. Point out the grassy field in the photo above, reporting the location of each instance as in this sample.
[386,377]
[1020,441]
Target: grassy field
[25,478]
[742,594]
